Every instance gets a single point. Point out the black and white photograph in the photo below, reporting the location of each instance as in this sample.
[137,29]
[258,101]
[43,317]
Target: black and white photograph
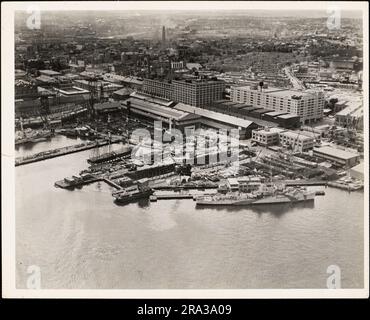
[185,149]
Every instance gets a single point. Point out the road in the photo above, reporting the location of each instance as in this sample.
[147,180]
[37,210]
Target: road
[297,84]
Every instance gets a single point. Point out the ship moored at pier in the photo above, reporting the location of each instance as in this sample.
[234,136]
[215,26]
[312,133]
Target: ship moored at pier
[267,194]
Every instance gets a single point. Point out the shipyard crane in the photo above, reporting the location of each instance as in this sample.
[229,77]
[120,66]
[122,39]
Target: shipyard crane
[292,148]
[44,110]
[93,81]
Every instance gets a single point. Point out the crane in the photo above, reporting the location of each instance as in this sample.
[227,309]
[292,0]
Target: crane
[44,110]
[93,81]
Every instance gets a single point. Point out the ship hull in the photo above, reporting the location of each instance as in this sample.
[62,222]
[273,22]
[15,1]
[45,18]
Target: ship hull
[132,198]
[253,202]
[108,157]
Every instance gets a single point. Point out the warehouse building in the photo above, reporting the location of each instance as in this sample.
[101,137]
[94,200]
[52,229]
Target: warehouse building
[296,141]
[307,105]
[195,92]
[337,156]
[351,116]
[219,120]
[158,109]
[266,137]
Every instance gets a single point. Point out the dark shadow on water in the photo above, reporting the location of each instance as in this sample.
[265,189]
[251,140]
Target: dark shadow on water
[141,203]
[280,209]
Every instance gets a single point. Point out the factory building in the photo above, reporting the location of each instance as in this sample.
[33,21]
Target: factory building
[262,117]
[177,65]
[103,88]
[157,88]
[158,109]
[296,140]
[198,93]
[266,137]
[351,117]
[195,92]
[183,116]
[307,105]
[337,156]
[217,120]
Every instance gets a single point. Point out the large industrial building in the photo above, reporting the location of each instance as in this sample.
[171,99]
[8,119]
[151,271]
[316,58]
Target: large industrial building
[337,156]
[160,110]
[184,116]
[307,105]
[296,140]
[351,117]
[263,117]
[195,92]
[266,137]
[198,93]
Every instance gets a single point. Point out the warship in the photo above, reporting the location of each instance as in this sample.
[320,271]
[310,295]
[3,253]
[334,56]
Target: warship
[267,194]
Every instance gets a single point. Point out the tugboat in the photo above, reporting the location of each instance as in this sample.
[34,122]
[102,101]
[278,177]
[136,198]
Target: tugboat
[130,194]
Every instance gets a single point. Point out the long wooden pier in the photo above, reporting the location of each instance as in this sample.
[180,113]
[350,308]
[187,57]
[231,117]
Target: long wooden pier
[49,154]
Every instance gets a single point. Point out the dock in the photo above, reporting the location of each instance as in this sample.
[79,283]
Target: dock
[185,187]
[49,154]
[111,183]
[305,183]
[180,195]
[64,185]
[171,196]
[345,186]
[81,182]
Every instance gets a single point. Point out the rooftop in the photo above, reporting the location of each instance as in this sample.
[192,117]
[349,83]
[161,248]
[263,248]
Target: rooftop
[287,116]
[278,92]
[123,92]
[271,131]
[198,81]
[262,110]
[349,110]
[107,105]
[152,107]
[44,78]
[214,115]
[336,152]
[49,72]
[296,135]
[149,98]
[71,90]
[275,113]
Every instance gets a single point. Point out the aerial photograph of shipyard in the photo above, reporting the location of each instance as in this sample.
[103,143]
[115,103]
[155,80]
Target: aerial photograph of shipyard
[189,149]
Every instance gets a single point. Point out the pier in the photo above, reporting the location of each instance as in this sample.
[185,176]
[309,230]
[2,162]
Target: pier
[305,183]
[49,154]
[179,195]
[79,182]
[111,183]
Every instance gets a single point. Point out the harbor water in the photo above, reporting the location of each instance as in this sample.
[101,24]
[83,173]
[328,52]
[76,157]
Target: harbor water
[81,240]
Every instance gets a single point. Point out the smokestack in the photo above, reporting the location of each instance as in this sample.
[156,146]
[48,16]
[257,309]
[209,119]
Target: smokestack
[163,34]
[261,85]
